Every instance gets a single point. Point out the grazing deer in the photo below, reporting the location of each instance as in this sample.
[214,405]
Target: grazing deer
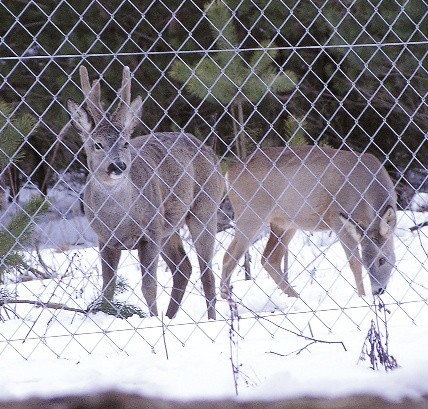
[313,189]
[141,191]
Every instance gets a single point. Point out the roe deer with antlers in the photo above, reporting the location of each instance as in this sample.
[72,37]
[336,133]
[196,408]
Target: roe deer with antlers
[313,189]
[141,191]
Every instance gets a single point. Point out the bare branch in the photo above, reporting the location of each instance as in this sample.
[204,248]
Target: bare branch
[53,305]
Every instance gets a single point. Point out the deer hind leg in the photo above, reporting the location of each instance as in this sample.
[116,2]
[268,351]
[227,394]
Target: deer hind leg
[175,257]
[248,227]
[275,252]
[203,237]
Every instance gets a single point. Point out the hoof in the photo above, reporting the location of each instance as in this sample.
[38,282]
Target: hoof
[226,293]
[291,292]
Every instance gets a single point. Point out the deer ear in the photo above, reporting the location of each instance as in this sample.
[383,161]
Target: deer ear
[387,221]
[80,118]
[351,227]
[131,116]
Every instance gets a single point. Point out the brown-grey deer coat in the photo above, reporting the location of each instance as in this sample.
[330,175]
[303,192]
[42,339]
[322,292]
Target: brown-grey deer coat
[141,191]
[314,189]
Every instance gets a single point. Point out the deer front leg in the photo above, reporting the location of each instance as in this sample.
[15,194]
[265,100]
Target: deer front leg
[148,253]
[275,252]
[248,227]
[109,262]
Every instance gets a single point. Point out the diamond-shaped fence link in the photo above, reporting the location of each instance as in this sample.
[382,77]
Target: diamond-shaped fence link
[242,77]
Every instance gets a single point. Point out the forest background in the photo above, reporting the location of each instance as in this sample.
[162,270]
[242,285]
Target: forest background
[359,74]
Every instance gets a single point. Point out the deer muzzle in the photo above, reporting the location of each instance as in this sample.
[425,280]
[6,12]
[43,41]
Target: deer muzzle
[116,169]
[379,291]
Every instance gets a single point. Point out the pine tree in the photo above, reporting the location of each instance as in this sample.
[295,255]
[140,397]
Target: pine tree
[294,133]
[12,131]
[226,77]
[17,233]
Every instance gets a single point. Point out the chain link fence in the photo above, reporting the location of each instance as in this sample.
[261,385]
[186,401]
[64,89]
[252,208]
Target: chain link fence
[241,76]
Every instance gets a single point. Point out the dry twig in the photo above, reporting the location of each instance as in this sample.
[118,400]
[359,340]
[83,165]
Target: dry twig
[233,341]
[374,347]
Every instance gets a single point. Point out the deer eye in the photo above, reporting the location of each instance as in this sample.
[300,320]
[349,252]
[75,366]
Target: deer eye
[126,145]
[382,261]
[98,146]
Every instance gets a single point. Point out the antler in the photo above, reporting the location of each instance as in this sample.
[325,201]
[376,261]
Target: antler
[92,94]
[125,95]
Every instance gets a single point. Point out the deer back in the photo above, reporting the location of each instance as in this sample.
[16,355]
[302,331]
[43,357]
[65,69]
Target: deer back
[183,167]
[310,186]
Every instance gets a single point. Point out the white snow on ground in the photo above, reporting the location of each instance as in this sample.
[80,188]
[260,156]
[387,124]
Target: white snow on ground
[50,352]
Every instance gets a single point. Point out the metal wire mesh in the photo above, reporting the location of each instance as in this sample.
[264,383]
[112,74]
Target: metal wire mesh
[241,76]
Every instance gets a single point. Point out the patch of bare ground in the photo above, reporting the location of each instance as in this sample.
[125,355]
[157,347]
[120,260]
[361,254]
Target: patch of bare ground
[117,400]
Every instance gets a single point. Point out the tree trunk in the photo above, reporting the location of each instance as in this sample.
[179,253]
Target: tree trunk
[241,151]
[241,133]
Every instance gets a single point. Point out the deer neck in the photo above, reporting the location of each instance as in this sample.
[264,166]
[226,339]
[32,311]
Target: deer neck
[114,198]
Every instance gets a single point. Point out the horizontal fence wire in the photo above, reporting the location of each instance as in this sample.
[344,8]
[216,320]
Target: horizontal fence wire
[314,78]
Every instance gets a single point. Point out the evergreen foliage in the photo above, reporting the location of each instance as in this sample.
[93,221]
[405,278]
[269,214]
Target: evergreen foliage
[230,76]
[294,132]
[13,130]
[17,234]
[117,308]
[361,65]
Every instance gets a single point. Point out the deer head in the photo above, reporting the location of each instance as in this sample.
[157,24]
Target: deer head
[106,137]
